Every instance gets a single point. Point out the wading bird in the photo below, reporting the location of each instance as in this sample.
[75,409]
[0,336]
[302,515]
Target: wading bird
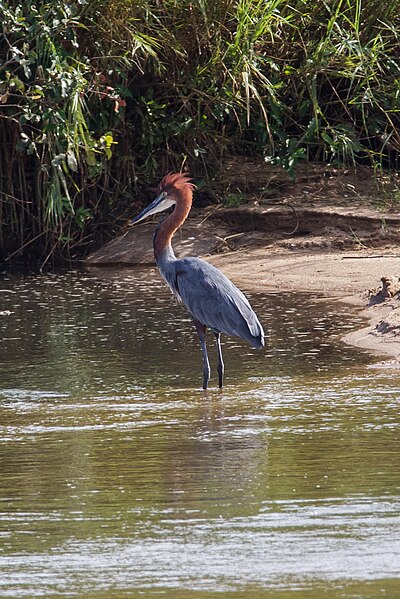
[211,298]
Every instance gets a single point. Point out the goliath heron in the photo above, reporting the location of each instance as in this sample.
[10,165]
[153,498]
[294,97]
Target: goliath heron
[211,298]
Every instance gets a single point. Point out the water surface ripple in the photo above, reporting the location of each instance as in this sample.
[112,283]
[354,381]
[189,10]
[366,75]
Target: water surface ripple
[121,478]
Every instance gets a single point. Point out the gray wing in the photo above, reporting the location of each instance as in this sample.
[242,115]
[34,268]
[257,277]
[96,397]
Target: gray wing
[215,301]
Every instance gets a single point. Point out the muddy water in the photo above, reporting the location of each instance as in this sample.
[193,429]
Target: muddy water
[120,478]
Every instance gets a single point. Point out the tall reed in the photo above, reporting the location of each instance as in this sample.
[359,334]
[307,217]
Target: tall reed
[99,97]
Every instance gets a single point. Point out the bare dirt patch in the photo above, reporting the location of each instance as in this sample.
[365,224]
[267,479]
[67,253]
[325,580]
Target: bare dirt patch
[325,207]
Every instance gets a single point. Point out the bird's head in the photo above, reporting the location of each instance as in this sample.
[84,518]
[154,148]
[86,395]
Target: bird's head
[172,189]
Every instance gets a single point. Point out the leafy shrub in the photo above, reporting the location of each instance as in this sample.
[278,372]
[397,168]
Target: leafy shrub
[99,97]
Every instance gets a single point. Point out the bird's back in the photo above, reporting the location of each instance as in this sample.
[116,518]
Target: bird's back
[214,300]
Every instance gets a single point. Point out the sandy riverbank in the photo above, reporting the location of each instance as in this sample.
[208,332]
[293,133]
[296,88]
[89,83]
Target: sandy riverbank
[328,234]
[352,277]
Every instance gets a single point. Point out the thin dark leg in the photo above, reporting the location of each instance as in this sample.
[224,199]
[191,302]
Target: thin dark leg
[220,366]
[201,331]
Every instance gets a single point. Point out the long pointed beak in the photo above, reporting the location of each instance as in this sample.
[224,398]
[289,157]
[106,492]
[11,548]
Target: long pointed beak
[161,203]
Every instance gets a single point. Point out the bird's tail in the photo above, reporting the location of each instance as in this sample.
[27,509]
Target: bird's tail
[254,335]
[258,342]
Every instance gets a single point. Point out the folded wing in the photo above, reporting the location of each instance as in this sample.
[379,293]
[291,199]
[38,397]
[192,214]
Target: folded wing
[215,301]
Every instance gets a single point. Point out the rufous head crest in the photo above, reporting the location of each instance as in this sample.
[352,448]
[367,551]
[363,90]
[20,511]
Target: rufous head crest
[177,180]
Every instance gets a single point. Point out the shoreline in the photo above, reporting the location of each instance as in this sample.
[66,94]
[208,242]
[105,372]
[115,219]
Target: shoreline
[348,277]
[352,277]
[339,253]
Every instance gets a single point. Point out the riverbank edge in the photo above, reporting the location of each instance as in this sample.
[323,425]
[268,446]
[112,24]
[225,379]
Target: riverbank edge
[344,277]
[337,252]
[351,277]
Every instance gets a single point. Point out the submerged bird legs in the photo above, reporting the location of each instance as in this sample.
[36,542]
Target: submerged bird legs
[201,331]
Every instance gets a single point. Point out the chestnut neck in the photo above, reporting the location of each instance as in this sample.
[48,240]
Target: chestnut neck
[168,227]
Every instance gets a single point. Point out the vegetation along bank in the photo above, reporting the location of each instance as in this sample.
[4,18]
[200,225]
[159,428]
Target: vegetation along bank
[99,99]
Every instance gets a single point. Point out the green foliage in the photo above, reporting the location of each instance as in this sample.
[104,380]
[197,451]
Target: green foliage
[96,97]
[56,150]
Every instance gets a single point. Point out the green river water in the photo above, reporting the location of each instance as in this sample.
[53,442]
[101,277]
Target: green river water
[121,478]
